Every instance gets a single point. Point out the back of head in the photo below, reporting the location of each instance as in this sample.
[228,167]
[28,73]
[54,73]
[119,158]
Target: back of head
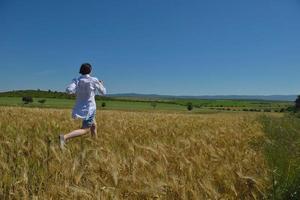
[85,68]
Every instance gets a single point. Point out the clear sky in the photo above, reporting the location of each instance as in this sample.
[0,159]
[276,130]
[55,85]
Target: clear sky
[176,47]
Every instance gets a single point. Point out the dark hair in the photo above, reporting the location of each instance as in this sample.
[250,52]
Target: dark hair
[85,68]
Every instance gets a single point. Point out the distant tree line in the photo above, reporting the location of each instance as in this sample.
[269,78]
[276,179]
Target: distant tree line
[43,94]
[36,94]
[281,110]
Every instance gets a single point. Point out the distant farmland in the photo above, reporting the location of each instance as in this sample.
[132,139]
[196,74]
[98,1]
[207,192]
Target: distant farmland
[62,100]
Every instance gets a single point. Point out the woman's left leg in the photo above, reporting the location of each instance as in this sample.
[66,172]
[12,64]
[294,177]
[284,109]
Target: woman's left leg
[76,133]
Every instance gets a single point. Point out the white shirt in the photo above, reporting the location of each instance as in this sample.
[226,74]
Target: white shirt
[85,87]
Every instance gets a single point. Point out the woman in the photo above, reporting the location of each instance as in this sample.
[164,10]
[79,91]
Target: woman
[85,87]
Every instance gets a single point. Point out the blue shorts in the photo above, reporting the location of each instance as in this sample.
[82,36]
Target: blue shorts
[89,122]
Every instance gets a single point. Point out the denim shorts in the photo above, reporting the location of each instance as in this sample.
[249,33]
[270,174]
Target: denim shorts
[89,122]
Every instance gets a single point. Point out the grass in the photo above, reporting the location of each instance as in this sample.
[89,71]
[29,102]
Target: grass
[256,104]
[282,149]
[111,105]
[138,155]
[200,106]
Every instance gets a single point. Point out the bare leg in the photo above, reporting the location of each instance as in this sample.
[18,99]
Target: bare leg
[76,133]
[94,130]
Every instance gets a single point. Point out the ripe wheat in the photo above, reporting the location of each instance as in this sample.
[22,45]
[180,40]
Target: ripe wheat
[137,155]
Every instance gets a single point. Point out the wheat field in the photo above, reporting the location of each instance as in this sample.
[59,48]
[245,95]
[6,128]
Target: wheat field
[137,155]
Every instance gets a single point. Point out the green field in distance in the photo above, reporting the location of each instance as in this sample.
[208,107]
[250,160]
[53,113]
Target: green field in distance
[170,105]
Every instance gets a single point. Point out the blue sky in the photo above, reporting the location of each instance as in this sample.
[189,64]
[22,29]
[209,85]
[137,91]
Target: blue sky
[176,47]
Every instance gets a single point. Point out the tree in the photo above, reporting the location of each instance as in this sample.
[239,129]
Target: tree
[291,109]
[153,104]
[27,100]
[103,104]
[297,103]
[190,106]
[282,110]
[42,101]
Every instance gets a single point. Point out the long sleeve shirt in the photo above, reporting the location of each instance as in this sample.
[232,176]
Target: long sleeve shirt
[85,87]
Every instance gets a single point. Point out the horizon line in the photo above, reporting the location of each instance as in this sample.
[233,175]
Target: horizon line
[156,94]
